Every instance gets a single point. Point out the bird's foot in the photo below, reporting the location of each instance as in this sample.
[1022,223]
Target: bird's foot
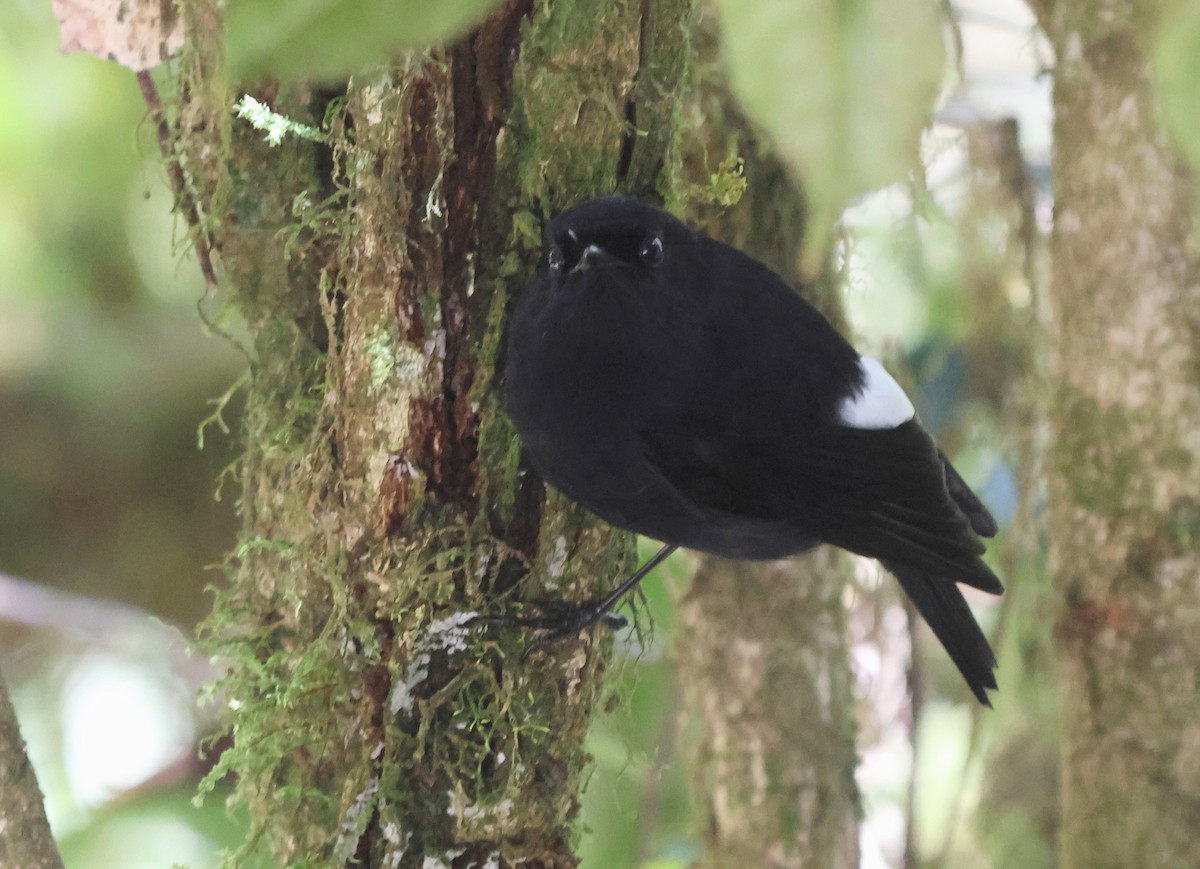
[562,619]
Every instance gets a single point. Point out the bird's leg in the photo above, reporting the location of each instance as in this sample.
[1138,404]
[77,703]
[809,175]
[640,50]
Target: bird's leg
[564,619]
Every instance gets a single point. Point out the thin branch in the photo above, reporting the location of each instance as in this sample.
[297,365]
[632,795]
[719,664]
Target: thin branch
[175,172]
[25,836]
[86,619]
[95,621]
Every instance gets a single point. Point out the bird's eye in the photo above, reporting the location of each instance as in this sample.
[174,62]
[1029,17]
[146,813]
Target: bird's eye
[554,258]
[651,251]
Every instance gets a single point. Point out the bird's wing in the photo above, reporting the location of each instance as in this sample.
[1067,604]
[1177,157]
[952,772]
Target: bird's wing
[890,499]
[982,521]
[708,467]
[882,493]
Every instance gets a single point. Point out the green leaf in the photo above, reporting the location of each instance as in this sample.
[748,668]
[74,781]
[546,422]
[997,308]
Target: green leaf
[325,39]
[842,87]
[1177,72]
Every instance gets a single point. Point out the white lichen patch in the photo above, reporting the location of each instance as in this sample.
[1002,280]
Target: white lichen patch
[458,807]
[558,558]
[355,821]
[497,812]
[408,363]
[448,635]
[575,666]
[435,347]
[398,845]
[372,98]
[443,862]
[417,672]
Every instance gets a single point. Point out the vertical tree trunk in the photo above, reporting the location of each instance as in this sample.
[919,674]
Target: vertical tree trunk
[767,685]
[383,495]
[1126,455]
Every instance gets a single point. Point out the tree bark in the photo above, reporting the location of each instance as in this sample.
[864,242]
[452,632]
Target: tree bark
[25,836]
[1126,456]
[767,685]
[384,500]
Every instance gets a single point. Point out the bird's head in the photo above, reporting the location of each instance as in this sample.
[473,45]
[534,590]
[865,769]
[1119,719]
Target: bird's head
[610,233]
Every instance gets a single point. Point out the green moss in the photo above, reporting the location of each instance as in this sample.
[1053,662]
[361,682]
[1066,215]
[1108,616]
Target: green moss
[499,447]
[1183,523]
[569,131]
[1091,452]
[383,358]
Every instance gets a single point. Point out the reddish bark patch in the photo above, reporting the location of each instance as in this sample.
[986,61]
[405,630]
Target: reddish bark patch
[394,490]
[444,446]
[444,430]
[481,68]
[1083,621]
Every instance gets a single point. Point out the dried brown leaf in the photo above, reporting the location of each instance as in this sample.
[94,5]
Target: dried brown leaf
[137,35]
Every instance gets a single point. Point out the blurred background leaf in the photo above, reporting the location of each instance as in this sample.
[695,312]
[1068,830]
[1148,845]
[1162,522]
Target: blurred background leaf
[1177,69]
[315,40]
[842,87]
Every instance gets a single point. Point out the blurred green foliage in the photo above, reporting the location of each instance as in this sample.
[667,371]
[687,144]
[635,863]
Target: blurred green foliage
[105,367]
[153,830]
[1177,70]
[636,807]
[105,372]
[842,87]
[316,40]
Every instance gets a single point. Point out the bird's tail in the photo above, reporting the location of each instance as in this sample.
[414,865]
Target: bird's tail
[943,606]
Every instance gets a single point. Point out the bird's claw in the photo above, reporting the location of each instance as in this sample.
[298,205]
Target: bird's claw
[561,619]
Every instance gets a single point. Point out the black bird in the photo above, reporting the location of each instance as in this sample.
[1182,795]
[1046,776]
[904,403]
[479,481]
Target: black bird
[679,388]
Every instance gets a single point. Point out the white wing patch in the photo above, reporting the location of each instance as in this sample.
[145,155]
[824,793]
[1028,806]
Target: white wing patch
[880,403]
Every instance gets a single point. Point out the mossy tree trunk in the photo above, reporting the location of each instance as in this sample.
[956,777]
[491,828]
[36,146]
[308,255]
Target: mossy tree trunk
[1126,454]
[383,494]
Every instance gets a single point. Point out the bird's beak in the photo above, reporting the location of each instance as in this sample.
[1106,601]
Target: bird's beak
[593,256]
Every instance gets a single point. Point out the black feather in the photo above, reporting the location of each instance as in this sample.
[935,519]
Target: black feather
[982,521]
[945,609]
